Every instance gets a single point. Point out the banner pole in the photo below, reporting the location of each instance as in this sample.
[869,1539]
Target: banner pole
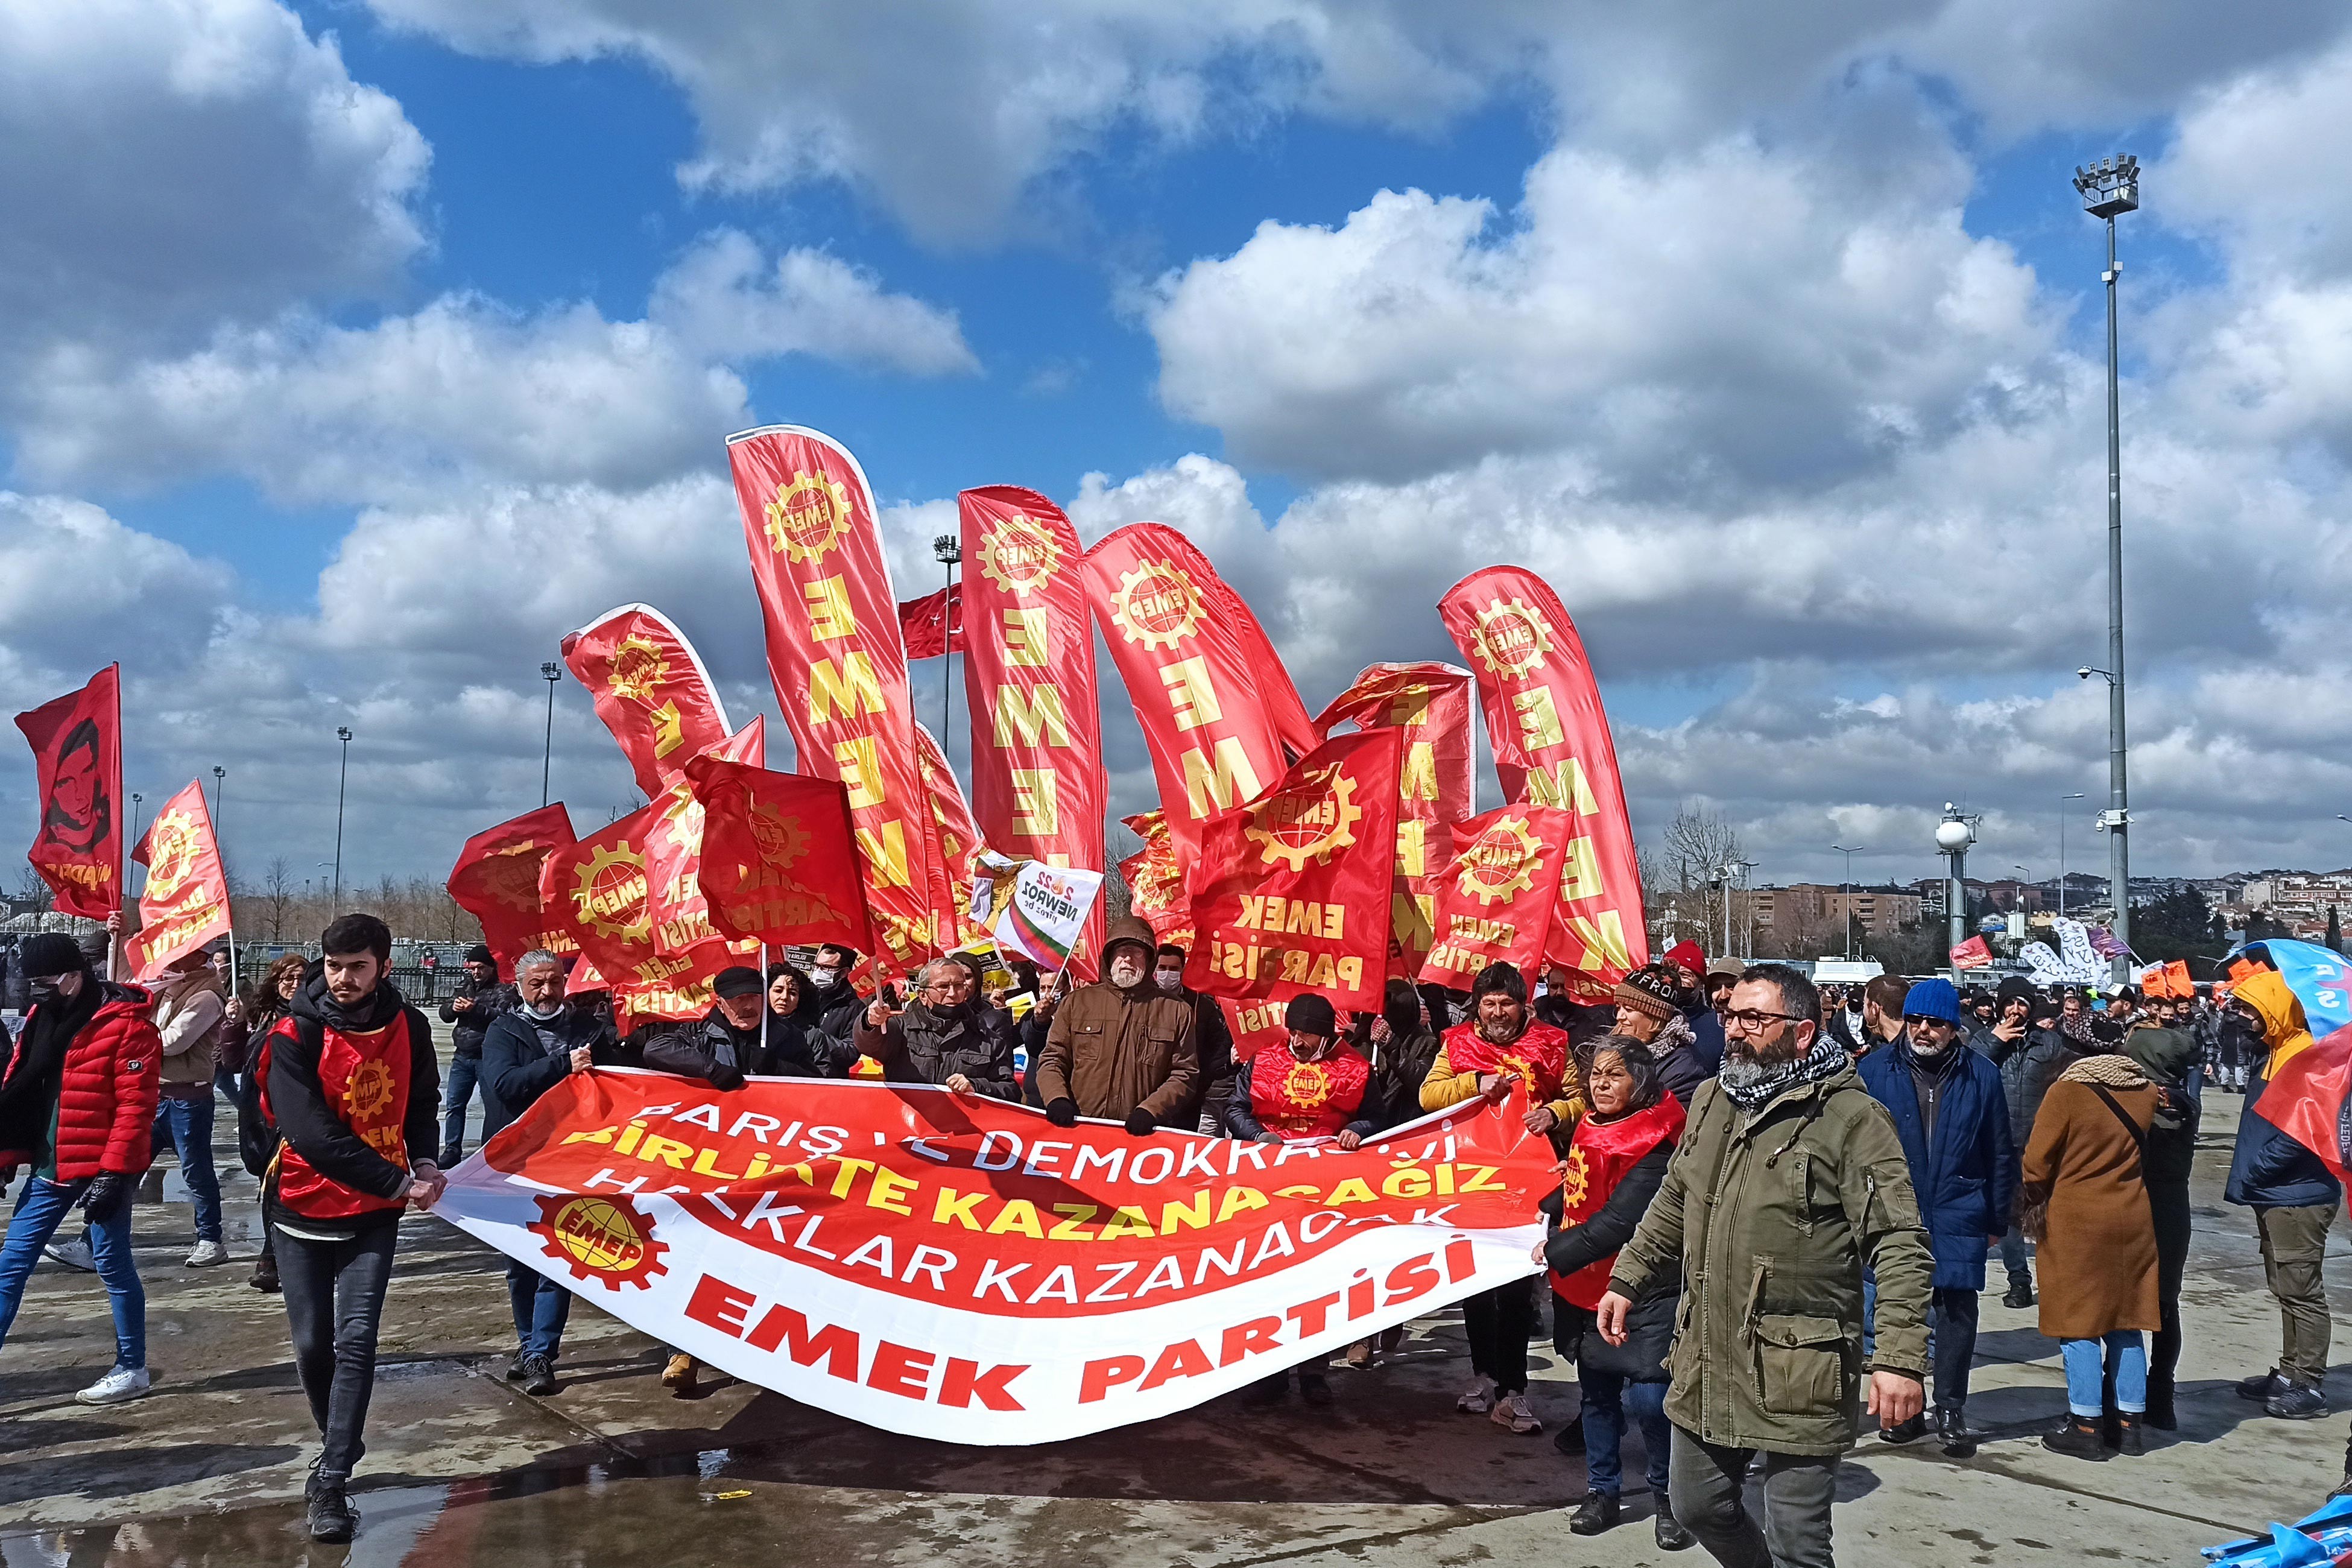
[764,1007]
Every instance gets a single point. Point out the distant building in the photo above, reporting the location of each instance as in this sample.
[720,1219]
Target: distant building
[1823,907]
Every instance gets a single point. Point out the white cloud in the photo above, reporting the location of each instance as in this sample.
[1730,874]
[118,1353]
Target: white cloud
[724,302]
[75,582]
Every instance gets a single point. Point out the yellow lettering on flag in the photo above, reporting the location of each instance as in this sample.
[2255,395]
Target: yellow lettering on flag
[1603,936]
[1212,788]
[1036,806]
[850,687]
[1419,779]
[1194,696]
[1410,707]
[1580,872]
[885,848]
[1025,641]
[1412,852]
[1539,718]
[669,731]
[861,770]
[1413,916]
[1030,715]
[1562,783]
[831,617]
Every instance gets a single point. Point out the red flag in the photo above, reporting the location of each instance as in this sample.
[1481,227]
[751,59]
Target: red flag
[1971,954]
[650,689]
[1038,789]
[954,841]
[185,901]
[1155,881]
[932,626]
[1213,742]
[1431,703]
[77,743]
[1552,748]
[779,861]
[1291,892]
[2304,1099]
[679,987]
[1274,687]
[597,888]
[674,901]
[836,659]
[495,880]
[1498,893]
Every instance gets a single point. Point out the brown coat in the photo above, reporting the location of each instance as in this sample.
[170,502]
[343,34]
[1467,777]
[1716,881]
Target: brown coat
[2098,1252]
[1113,1051]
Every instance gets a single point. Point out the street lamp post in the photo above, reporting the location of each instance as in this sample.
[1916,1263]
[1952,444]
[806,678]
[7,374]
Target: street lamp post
[2062,850]
[551,673]
[1731,869]
[947,550]
[2110,188]
[1953,833]
[342,734]
[1848,852]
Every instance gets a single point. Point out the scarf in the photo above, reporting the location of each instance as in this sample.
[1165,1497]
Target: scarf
[1826,1059]
[1672,1038]
[2077,1029]
[372,1011]
[2108,1071]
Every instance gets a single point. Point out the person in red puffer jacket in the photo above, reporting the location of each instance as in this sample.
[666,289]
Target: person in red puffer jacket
[77,1104]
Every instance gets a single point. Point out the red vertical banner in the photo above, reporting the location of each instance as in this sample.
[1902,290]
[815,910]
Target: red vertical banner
[77,743]
[185,901]
[495,880]
[1274,687]
[651,691]
[837,658]
[1291,891]
[953,840]
[1431,704]
[1498,893]
[1552,748]
[1213,743]
[1038,788]
[1155,881]
[675,908]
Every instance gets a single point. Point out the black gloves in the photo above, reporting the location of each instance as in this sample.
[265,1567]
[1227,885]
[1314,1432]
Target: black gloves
[1140,1122]
[725,1078]
[1063,1112]
[108,1191]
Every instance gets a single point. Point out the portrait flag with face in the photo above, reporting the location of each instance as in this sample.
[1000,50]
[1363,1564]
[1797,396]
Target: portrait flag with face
[77,743]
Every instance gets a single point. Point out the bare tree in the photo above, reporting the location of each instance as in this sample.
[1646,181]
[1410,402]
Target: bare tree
[277,896]
[31,889]
[1701,855]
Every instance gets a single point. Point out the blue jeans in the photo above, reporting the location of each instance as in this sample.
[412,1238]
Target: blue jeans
[540,1308]
[41,1206]
[2012,1259]
[1607,1398]
[190,1125]
[457,1096]
[2086,1373]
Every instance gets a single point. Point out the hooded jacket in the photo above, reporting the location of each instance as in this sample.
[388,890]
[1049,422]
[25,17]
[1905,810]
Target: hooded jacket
[356,1095]
[105,1089]
[1115,1050]
[2270,1170]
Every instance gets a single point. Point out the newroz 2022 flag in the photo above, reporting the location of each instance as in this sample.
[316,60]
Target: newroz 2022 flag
[650,690]
[495,880]
[1431,703]
[1498,894]
[1212,739]
[836,659]
[185,901]
[1552,748]
[958,1268]
[1290,892]
[1038,789]
[674,905]
[77,743]
[1032,910]
[777,862]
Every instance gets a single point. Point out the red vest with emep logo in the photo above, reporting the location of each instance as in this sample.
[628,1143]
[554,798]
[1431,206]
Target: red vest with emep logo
[1539,1056]
[364,1078]
[1307,1100]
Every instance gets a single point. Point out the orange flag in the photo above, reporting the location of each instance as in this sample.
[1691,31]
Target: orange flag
[1431,703]
[779,861]
[650,690]
[185,903]
[495,880]
[1499,893]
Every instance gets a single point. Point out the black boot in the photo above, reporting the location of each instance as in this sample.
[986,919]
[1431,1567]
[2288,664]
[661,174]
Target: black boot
[332,1517]
[265,1274]
[538,1375]
[2019,1294]
[2078,1436]
[1599,1513]
[2130,1436]
[1959,1440]
[2160,1412]
[1671,1536]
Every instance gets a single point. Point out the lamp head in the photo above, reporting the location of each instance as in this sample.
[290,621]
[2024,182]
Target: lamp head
[550,671]
[342,733]
[1953,835]
[946,550]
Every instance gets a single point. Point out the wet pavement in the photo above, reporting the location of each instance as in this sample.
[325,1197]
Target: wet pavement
[463,1469]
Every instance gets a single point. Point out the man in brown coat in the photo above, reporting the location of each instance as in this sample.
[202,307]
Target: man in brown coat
[1121,1049]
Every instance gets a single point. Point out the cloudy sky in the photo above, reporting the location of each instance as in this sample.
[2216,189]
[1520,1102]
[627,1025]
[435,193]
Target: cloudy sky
[352,353]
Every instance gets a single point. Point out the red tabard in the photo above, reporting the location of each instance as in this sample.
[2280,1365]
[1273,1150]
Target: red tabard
[1540,1056]
[1307,1100]
[1597,1161]
[365,1080]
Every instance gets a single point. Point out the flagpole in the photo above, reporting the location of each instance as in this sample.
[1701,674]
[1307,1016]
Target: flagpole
[766,1007]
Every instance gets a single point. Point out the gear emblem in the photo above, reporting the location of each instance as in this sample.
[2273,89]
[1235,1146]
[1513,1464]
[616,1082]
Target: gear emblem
[1499,862]
[781,839]
[1576,1180]
[1306,822]
[638,668]
[369,1092]
[606,1239]
[609,893]
[1156,605]
[170,855]
[1512,638]
[1018,553]
[510,875]
[1305,1086]
[808,517]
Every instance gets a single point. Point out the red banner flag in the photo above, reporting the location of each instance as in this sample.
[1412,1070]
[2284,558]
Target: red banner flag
[1213,743]
[495,880]
[953,840]
[1431,703]
[932,626]
[674,902]
[597,888]
[1552,748]
[77,743]
[836,659]
[650,689]
[1971,954]
[779,861]
[1498,893]
[1038,789]
[185,901]
[1155,881]
[1291,892]
[1274,687]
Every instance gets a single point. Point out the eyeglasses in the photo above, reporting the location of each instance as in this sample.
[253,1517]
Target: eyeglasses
[1916,1019]
[1754,1018]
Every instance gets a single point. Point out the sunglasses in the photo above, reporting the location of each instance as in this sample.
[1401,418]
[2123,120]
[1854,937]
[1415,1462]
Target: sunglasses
[1920,1018]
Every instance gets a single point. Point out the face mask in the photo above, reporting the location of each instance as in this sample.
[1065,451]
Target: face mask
[1126,972]
[552,1010]
[44,988]
[823,977]
[1169,979]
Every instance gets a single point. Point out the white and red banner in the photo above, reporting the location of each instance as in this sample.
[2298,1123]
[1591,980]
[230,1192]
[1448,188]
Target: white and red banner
[958,1268]
[185,901]
[650,689]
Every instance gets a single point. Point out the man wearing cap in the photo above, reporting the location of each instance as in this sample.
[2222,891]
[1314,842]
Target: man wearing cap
[1953,1120]
[1649,1010]
[1503,1043]
[1122,1049]
[480,1000]
[942,1037]
[78,1105]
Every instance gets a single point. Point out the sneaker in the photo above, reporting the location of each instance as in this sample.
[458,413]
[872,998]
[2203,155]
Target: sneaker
[207,1255]
[2019,1294]
[514,1371]
[1479,1398]
[265,1274]
[332,1517]
[120,1386]
[1313,1388]
[2259,1389]
[678,1375]
[74,1254]
[538,1375]
[1599,1513]
[1513,1410]
[1671,1536]
[2296,1401]
[2078,1436]
[1909,1431]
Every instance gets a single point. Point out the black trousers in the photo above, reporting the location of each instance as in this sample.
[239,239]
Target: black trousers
[2169,1203]
[1498,1322]
[1953,1316]
[334,1301]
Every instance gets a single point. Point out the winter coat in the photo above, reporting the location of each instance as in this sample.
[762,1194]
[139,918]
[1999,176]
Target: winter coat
[1771,1216]
[2269,1170]
[190,1018]
[1404,1066]
[2097,1255]
[2026,1074]
[518,1066]
[1213,1043]
[919,1045]
[1965,1178]
[1574,1249]
[107,1087]
[709,1049]
[2170,1057]
[468,1029]
[1114,1051]
[831,1011]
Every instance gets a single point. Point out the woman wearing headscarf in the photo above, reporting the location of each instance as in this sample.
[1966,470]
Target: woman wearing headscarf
[1615,1163]
[2171,1058]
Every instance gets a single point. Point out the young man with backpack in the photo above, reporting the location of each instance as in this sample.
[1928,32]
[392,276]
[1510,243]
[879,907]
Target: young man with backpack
[350,1087]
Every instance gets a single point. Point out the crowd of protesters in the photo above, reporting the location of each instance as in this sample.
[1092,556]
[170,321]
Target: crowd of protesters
[1877,1144]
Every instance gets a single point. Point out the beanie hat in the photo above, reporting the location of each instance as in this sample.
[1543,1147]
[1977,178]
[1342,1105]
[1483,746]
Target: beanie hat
[1309,1013]
[481,953]
[1932,999]
[738,980]
[1503,979]
[1647,989]
[1687,954]
[2016,988]
[48,952]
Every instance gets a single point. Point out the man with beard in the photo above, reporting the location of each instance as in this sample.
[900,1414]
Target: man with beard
[1649,1010]
[1121,1049]
[1213,1041]
[2026,1074]
[1769,1357]
[1502,1043]
[469,1015]
[945,1035]
[1949,1111]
